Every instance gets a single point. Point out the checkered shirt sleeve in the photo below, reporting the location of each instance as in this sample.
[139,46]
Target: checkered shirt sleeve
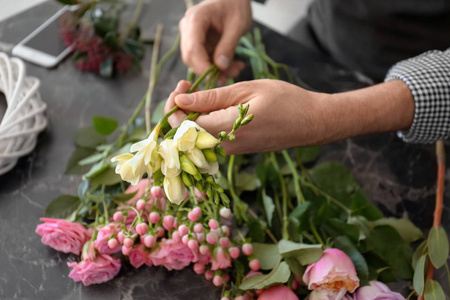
[428,78]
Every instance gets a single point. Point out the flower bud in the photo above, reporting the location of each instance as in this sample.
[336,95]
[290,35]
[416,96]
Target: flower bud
[118,216]
[112,243]
[231,137]
[174,189]
[219,151]
[254,264]
[198,228]
[183,230]
[157,192]
[204,250]
[213,224]
[209,275]
[186,179]
[199,268]
[210,155]
[176,237]
[222,134]
[225,213]
[126,251]
[205,140]
[247,119]
[247,249]
[187,165]
[149,241]
[217,280]
[168,222]
[128,242]
[154,217]
[141,228]
[192,217]
[234,252]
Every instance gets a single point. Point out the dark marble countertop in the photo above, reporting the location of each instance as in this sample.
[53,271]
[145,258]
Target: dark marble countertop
[399,177]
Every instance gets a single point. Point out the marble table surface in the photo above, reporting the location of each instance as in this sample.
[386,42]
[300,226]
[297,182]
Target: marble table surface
[399,177]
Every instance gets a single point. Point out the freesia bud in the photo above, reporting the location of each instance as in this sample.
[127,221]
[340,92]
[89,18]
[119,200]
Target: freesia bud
[198,158]
[174,189]
[205,140]
[247,119]
[219,150]
[231,137]
[222,134]
[210,155]
[187,165]
[186,179]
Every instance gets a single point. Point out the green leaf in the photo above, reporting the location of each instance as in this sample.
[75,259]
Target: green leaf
[107,67]
[108,177]
[62,207]
[91,159]
[343,243]
[300,210]
[73,168]
[256,230]
[96,170]
[82,188]
[119,198]
[104,125]
[247,182]
[267,254]
[305,254]
[407,230]
[158,112]
[307,154]
[138,134]
[295,266]
[433,290]
[280,274]
[419,275]
[361,205]
[421,250]
[269,207]
[438,246]
[88,137]
[338,227]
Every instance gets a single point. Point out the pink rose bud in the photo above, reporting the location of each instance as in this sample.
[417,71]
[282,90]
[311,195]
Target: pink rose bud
[140,204]
[333,271]
[294,285]
[126,251]
[234,252]
[213,224]
[176,236]
[278,292]
[209,275]
[204,250]
[192,217]
[225,213]
[254,264]
[149,241]
[193,245]
[217,280]
[120,237]
[197,210]
[224,242]
[118,216]
[157,192]
[183,230]
[112,243]
[154,217]
[185,239]
[376,290]
[168,222]
[211,238]
[128,242]
[226,230]
[198,228]
[200,237]
[247,249]
[199,268]
[160,232]
[141,228]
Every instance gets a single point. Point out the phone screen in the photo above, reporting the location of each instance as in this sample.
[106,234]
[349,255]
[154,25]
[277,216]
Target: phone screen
[48,40]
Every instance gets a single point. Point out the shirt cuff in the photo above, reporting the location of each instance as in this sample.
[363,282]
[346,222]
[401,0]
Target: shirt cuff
[428,78]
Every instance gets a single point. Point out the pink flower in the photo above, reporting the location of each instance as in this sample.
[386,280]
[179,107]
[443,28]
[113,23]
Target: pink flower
[221,260]
[173,255]
[323,294]
[334,271]
[376,291]
[62,235]
[139,256]
[104,233]
[139,189]
[278,292]
[102,269]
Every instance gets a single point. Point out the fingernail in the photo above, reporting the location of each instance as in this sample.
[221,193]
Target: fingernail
[178,85]
[185,99]
[223,62]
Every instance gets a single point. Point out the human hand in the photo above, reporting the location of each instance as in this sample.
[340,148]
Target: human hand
[210,32]
[285,115]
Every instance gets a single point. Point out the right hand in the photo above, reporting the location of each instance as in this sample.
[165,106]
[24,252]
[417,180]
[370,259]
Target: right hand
[210,31]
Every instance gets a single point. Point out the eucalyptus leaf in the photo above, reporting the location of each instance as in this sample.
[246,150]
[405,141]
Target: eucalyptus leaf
[280,274]
[419,275]
[267,254]
[104,125]
[88,137]
[305,253]
[269,207]
[438,246]
[62,207]
[433,290]
[345,244]
[407,230]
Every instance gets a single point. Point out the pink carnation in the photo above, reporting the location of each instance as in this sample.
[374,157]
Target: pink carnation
[104,234]
[62,235]
[221,260]
[102,269]
[173,255]
[139,256]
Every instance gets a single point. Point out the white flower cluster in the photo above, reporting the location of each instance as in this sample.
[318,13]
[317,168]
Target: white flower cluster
[189,152]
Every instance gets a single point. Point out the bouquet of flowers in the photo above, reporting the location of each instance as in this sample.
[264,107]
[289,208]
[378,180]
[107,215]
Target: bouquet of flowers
[269,226]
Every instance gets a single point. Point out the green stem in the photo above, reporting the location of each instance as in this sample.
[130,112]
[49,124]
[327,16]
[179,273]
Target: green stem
[133,22]
[316,234]
[168,54]
[298,191]
[237,202]
[284,195]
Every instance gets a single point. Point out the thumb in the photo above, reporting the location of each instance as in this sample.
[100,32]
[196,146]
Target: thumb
[224,52]
[212,100]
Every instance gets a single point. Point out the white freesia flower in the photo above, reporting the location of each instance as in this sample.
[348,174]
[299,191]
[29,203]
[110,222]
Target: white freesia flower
[170,164]
[186,135]
[205,140]
[145,154]
[124,169]
[211,169]
[198,158]
[174,189]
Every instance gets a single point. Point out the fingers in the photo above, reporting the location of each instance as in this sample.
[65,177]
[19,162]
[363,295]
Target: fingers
[224,52]
[176,118]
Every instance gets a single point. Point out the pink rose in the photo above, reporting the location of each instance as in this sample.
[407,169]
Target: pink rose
[102,269]
[333,271]
[139,189]
[323,294]
[173,255]
[104,234]
[221,260]
[139,256]
[62,235]
[278,292]
[376,291]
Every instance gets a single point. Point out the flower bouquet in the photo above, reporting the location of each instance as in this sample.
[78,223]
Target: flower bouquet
[267,226]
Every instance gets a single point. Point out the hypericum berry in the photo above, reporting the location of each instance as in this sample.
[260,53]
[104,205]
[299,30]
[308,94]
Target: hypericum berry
[197,210]
[141,228]
[217,280]
[226,230]
[193,245]
[234,252]
[254,264]
[213,224]
[176,237]
[198,228]
[157,192]
[159,232]
[121,237]
[199,268]
[192,216]
[225,213]
[149,241]
[200,237]
[204,250]
[183,230]
[226,277]
[112,243]
[154,217]
[126,250]
[247,249]
[185,239]
[118,216]
[140,204]
[224,242]
[209,275]
[211,238]
[128,242]
[168,222]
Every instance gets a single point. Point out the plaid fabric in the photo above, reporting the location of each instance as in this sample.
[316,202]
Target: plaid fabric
[428,78]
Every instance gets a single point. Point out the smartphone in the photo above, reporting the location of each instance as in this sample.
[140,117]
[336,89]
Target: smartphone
[44,46]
